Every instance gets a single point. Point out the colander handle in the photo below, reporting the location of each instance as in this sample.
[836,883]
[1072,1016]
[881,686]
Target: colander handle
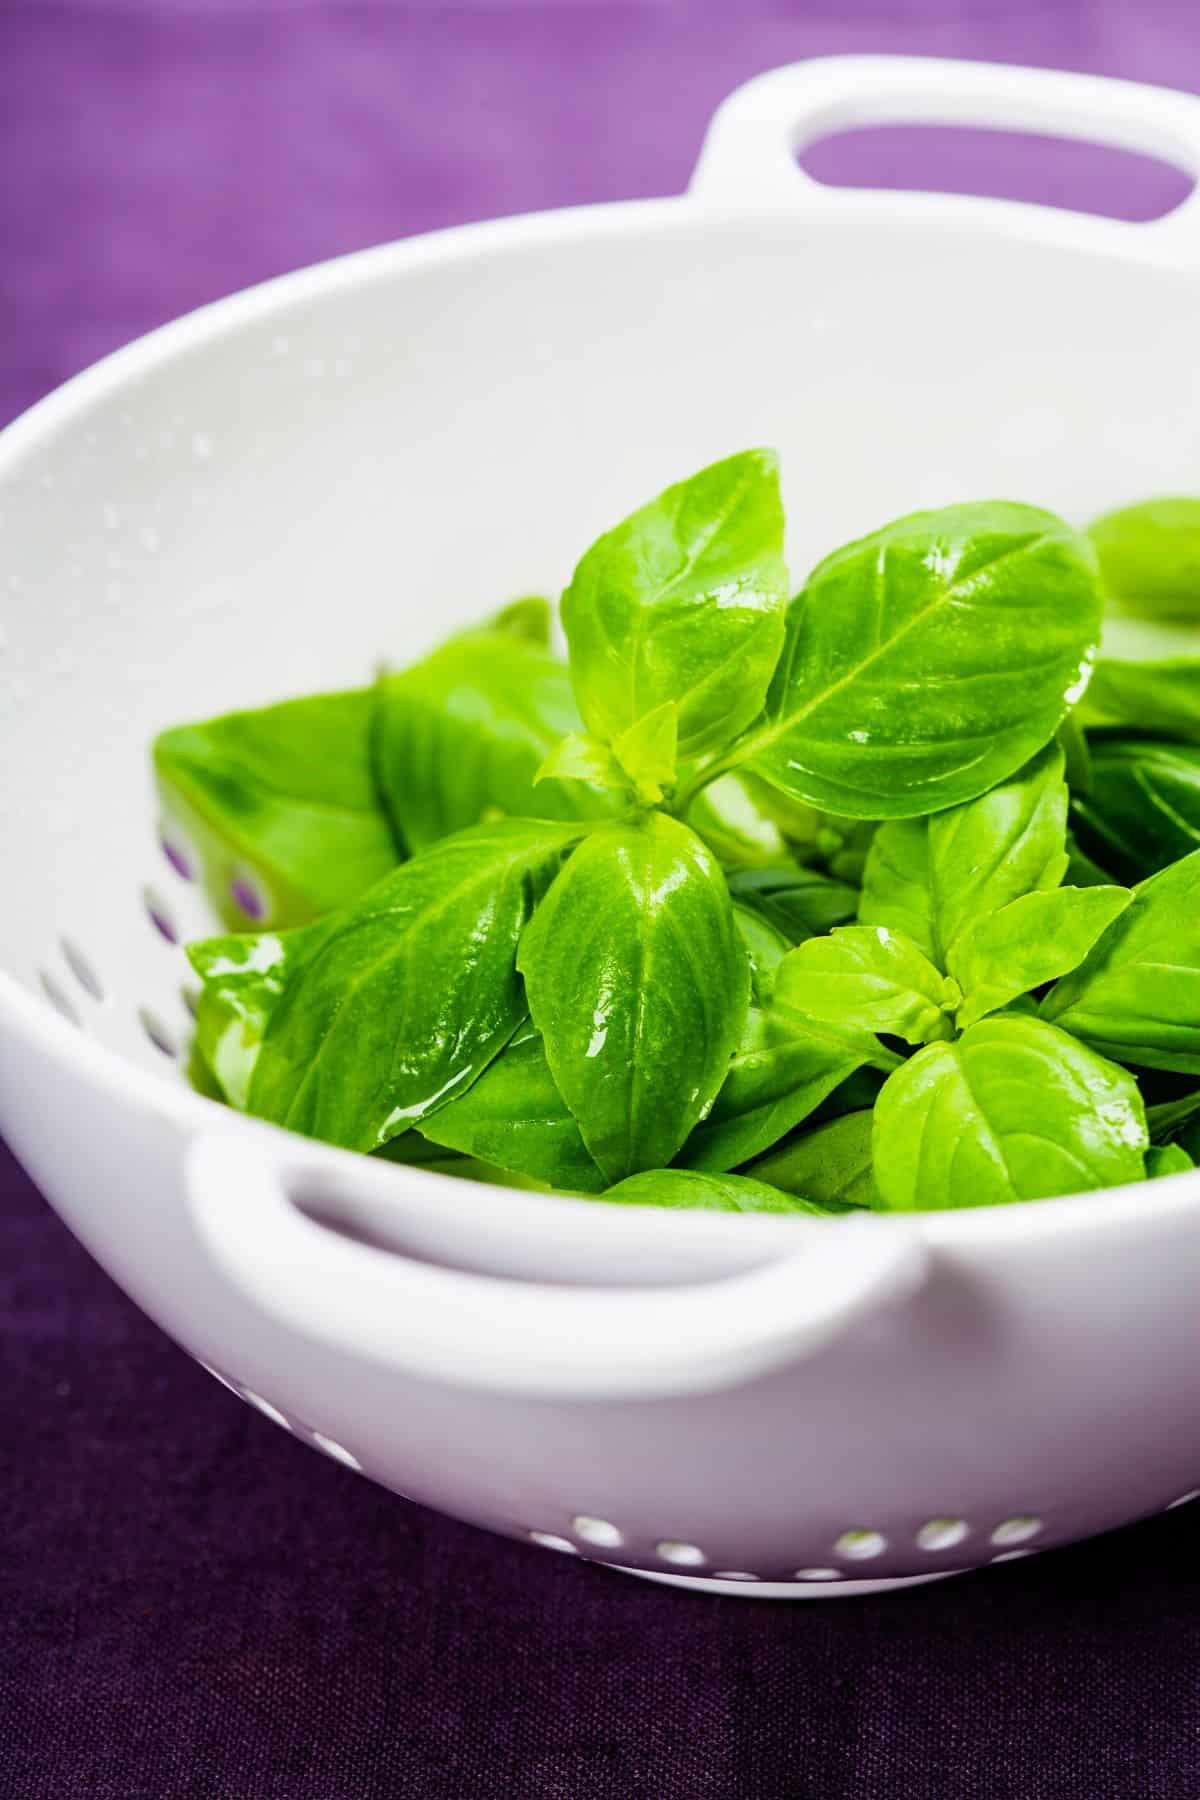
[444,1324]
[753,140]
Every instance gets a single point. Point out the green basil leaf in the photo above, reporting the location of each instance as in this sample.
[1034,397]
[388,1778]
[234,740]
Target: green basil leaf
[799,902]
[580,757]
[280,806]
[640,985]
[648,753]
[1161,695]
[740,834]
[461,737]
[1149,558]
[1167,1159]
[927,662]
[1144,808]
[684,601]
[1172,1116]
[868,976]
[784,1068]
[687,1188]
[514,1117]
[1013,1110]
[531,617]
[242,979]
[1137,996]
[832,1164]
[413,991]
[766,948]
[1028,942]
[975,858]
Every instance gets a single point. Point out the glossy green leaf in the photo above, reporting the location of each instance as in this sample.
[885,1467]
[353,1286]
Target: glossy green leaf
[242,978]
[799,902]
[927,662]
[1144,808]
[974,859]
[1030,941]
[581,757]
[784,1068]
[1013,1110]
[766,947]
[460,738]
[684,601]
[1137,996]
[1170,1117]
[832,1164]
[649,751]
[1149,558]
[868,976]
[514,1117]
[639,984]
[280,807]
[531,617]
[1167,1159]
[412,993]
[688,1189]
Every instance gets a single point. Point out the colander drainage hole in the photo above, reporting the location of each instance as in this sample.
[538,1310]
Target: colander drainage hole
[156,1031]
[818,1574]
[58,998]
[160,915]
[549,1541]
[596,1531]
[942,1534]
[684,1556]
[265,1408]
[175,853]
[1017,1530]
[81,968]
[861,1545]
[247,898]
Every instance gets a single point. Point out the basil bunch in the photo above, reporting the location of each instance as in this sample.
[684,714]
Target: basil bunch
[755,903]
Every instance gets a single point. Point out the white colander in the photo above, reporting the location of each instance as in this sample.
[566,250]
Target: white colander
[270,495]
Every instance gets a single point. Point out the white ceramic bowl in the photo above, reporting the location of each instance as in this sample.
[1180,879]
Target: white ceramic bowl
[265,497]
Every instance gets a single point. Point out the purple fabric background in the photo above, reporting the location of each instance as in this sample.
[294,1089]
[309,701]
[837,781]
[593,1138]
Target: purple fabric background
[193,1605]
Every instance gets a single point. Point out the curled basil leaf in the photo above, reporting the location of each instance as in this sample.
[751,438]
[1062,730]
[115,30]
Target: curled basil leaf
[243,977]
[1149,558]
[1013,1110]
[1137,996]
[1167,1159]
[683,601]
[927,662]
[280,806]
[1030,941]
[412,992]
[639,984]
[1143,810]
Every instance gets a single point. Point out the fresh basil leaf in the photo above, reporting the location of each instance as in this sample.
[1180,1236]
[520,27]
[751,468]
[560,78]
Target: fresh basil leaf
[514,1117]
[1137,996]
[413,991]
[799,902]
[639,984]
[280,806]
[1149,558]
[1077,756]
[1167,1159]
[766,948]
[1028,942]
[740,834]
[683,601]
[461,737]
[927,662]
[975,858]
[581,757]
[1160,694]
[783,1069]
[242,979]
[1144,808]
[1170,1117]
[1013,1110]
[530,617]
[687,1188]
[832,1165]
[868,976]
[416,1152]
[649,751]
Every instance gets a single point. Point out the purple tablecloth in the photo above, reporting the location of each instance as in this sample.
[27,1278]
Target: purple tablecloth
[191,1604]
